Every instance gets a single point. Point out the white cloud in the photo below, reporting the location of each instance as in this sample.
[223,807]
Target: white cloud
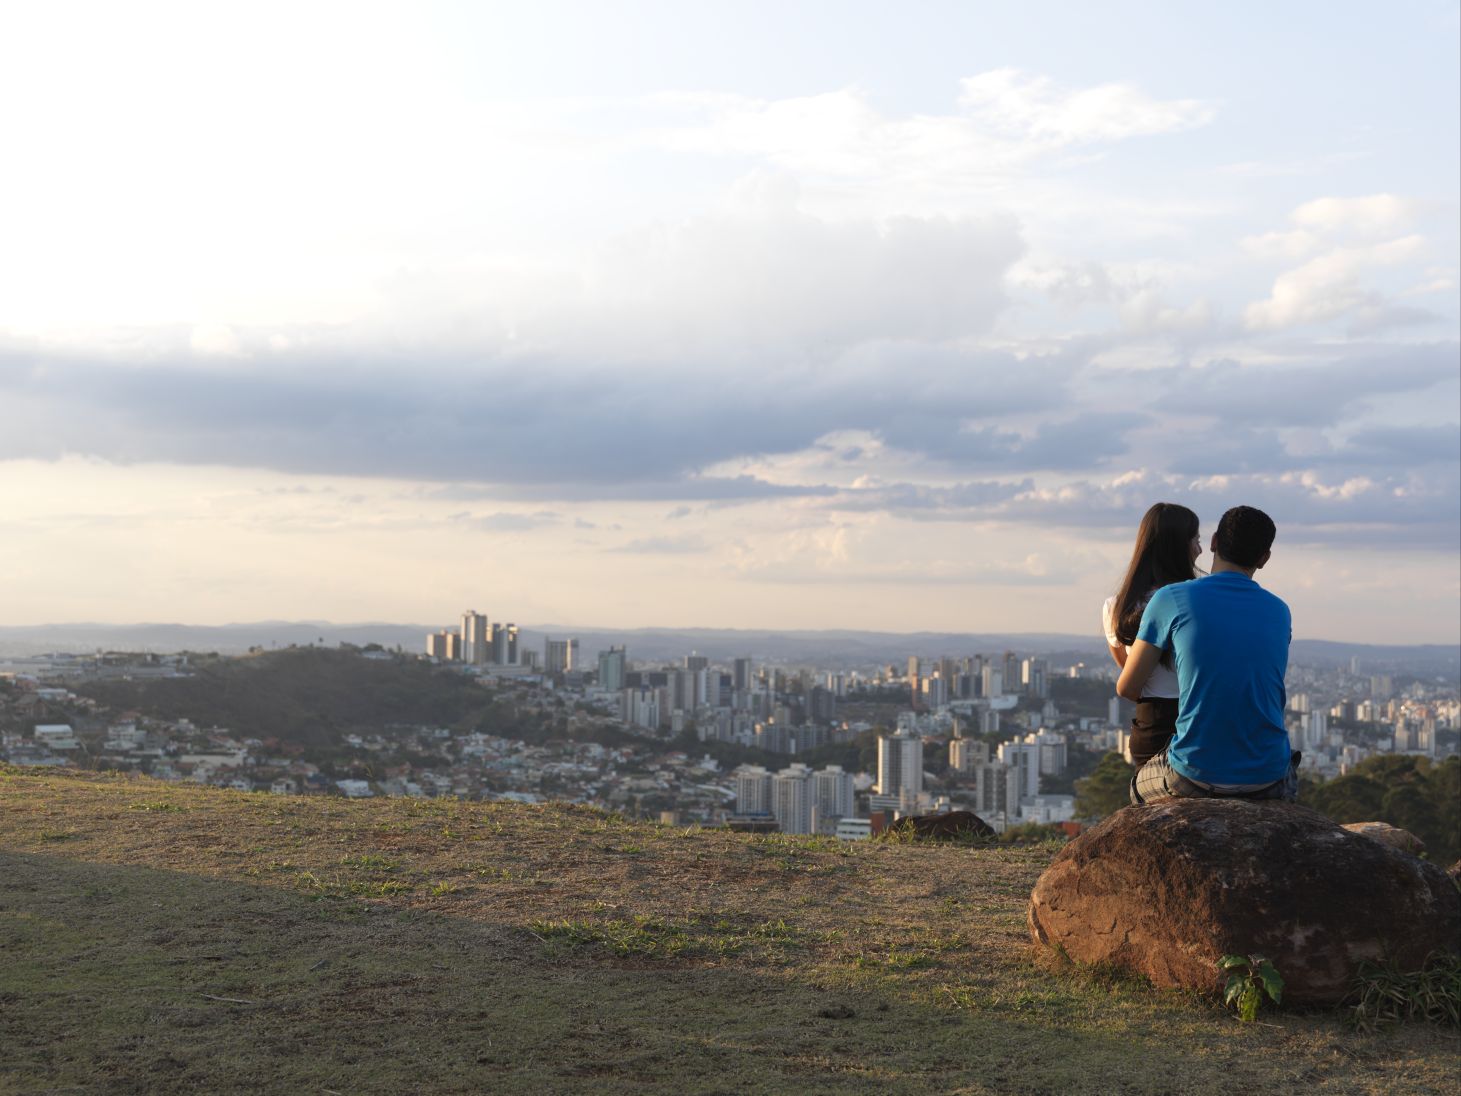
[1005,117]
[1282,245]
[773,275]
[1145,312]
[1034,109]
[1329,286]
[1369,216]
[215,341]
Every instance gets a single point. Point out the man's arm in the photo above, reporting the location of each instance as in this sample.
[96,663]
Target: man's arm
[1141,659]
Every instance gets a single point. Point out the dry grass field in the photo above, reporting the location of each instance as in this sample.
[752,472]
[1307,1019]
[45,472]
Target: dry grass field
[158,938]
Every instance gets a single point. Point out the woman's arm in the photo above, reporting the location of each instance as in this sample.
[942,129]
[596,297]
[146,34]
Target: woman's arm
[1141,661]
[1118,652]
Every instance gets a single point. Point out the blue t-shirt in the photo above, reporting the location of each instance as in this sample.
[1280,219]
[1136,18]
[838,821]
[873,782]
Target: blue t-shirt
[1229,640]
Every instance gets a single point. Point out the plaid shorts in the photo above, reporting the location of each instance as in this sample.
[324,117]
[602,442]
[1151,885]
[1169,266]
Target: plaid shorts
[1158,780]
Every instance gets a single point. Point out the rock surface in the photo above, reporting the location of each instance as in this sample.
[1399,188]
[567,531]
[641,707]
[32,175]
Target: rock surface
[1390,835]
[1166,890]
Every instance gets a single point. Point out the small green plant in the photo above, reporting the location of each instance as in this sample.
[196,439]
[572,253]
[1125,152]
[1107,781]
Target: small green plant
[1249,978]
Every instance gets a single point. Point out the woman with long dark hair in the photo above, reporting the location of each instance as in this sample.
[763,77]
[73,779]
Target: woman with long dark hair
[1167,547]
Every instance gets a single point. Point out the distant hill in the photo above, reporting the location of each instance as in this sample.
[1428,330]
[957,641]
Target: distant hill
[839,648]
[308,696]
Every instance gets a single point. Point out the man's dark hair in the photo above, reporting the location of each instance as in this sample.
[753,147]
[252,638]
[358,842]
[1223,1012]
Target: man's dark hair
[1244,536]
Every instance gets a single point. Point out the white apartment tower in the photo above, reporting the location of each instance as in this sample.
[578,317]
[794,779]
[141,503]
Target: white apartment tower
[753,790]
[792,799]
[900,764]
[1023,757]
[834,793]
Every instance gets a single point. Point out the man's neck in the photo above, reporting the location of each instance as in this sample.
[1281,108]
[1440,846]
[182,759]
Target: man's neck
[1220,566]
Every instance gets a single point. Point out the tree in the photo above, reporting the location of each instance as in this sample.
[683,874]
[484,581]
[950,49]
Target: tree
[1106,790]
[1404,790]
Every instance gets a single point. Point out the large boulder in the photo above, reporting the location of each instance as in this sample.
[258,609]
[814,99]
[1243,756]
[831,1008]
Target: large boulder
[1166,890]
[949,826]
[1390,835]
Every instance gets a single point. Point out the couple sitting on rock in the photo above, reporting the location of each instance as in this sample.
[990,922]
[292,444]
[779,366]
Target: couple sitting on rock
[1204,659]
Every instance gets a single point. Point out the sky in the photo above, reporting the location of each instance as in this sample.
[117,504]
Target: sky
[745,314]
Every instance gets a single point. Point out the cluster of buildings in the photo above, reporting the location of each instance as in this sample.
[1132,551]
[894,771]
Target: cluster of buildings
[1340,716]
[1000,783]
[979,733]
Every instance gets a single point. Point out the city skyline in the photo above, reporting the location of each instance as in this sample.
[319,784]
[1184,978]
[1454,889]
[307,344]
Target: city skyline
[726,315]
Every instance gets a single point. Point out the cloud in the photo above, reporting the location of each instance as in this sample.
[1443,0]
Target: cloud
[1005,117]
[509,522]
[547,426]
[1347,238]
[1033,108]
[1328,286]
[1236,395]
[1370,216]
[1404,507]
[662,546]
[786,280]
[920,574]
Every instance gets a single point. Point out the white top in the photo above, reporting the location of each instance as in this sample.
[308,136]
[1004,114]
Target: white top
[1163,682]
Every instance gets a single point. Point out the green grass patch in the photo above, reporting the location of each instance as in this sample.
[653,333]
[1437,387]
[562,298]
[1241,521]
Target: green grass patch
[1384,995]
[240,944]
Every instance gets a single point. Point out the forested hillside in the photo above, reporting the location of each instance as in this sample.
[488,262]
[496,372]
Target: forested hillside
[307,696]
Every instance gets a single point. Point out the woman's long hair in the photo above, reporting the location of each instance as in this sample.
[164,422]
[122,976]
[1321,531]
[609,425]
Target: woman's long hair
[1163,555]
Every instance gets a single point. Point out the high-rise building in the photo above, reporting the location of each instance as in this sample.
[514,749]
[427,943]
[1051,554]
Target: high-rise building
[993,681]
[476,639]
[753,790]
[834,793]
[1033,674]
[997,790]
[741,673]
[935,693]
[1054,751]
[965,754]
[640,706]
[613,665]
[1023,756]
[440,645]
[694,662]
[504,644]
[900,764]
[821,705]
[560,655]
[948,669]
[792,799]
[1316,728]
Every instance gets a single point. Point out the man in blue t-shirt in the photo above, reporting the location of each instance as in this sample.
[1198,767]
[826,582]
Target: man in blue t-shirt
[1229,642]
